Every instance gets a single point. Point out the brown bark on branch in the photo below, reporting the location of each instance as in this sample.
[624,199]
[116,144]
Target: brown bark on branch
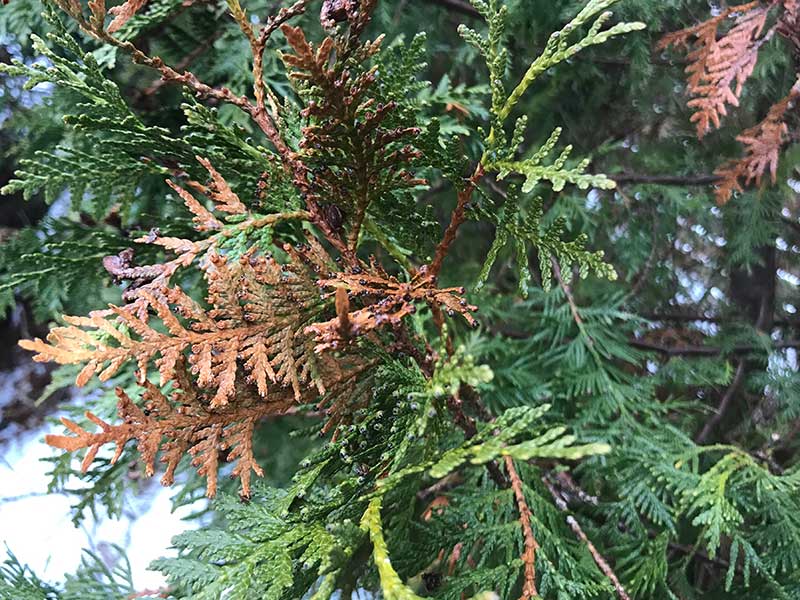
[666,179]
[724,404]
[531,545]
[599,560]
[457,218]
[459,6]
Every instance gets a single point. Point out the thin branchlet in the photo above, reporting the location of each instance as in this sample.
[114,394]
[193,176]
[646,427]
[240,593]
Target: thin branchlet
[298,314]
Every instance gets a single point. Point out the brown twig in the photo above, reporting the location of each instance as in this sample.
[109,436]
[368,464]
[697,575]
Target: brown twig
[259,45]
[706,350]
[457,218]
[570,299]
[724,404]
[203,90]
[460,6]
[567,483]
[531,545]
[185,62]
[599,560]
[257,111]
[666,179]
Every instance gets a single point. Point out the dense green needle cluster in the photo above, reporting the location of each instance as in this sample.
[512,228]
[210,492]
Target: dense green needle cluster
[378,277]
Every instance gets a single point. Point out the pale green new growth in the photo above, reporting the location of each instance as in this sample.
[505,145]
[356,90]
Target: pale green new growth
[557,173]
[392,586]
[512,221]
[559,48]
[498,440]
[457,370]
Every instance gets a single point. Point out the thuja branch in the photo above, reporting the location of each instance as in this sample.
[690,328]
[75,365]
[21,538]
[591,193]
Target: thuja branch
[265,121]
[190,80]
[94,26]
[183,64]
[296,326]
[258,43]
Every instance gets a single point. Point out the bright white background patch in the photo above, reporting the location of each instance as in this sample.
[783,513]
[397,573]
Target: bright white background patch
[38,529]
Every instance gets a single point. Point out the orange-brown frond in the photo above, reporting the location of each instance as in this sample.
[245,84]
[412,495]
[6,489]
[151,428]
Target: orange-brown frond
[255,327]
[762,144]
[225,199]
[203,219]
[720,63]
[239,440]
[177,426]
[388,302]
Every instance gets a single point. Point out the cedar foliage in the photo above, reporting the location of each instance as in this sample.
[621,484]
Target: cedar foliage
[719,65]
[530,434]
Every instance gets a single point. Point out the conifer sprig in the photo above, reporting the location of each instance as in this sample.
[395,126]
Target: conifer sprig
[499,152]
[298,315]
[722,54]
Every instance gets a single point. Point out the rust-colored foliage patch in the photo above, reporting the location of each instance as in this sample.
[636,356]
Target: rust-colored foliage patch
[720,64]
[390,300]
[722,53]
[272,333]
[763,144]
